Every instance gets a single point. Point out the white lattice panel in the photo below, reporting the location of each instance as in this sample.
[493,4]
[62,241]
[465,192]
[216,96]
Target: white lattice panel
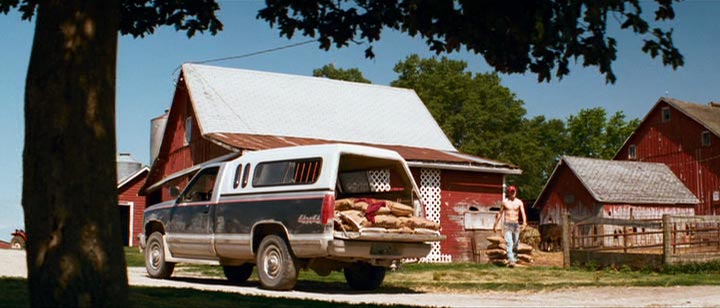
[430,191]
[379,180]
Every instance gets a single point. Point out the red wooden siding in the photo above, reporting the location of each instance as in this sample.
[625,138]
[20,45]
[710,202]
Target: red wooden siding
[565,186]
[129,193]
[677,143]
[181,156]
[459,191]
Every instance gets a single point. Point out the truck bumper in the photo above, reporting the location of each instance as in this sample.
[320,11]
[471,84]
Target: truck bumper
[377,250]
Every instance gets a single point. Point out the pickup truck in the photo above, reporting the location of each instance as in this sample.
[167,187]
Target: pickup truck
[276,210]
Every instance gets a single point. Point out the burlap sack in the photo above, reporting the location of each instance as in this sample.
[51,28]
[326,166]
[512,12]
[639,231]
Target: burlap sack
[495,239]
[496,252]
[360,206]
[387,221]
[525,258]
[402,230]
[354,218]
[406,222]
[524,248]
[399,209]
[343,204]
[420,222]
[497,246]
[384,211]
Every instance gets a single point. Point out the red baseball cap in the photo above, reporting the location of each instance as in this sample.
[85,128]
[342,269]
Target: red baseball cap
[512,188]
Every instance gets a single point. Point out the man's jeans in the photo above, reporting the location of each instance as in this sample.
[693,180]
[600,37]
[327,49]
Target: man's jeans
[512,237]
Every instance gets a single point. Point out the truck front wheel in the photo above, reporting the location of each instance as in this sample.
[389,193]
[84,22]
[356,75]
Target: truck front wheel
[364,277]
[155,262]
[238,274]
[275,264]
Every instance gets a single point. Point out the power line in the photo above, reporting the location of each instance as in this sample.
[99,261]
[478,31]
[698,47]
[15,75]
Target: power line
[248,54]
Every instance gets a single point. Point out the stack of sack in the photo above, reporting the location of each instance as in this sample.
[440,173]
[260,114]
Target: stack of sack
[379,215]
[497,251]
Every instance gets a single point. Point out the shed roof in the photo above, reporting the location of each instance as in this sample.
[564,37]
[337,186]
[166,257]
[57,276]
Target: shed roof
[613,181]
[707,115]
[230,100]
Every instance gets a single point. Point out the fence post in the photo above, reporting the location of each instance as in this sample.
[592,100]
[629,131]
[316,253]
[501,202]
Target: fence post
[667,239]
[566,240]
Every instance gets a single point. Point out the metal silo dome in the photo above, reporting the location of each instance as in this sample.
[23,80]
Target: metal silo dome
[126,166]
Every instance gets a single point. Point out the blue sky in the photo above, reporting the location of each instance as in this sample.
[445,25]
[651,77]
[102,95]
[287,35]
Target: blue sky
[147,69]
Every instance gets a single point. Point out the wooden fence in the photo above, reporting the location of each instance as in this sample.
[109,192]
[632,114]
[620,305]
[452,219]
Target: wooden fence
[642,243]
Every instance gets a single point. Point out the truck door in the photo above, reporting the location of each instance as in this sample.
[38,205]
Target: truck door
[189,233]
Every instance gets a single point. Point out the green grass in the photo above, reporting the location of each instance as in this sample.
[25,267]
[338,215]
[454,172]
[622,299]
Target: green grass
[473,278]
[133,257]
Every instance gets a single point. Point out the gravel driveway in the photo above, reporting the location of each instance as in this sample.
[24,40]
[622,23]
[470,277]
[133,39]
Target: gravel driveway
[699,296]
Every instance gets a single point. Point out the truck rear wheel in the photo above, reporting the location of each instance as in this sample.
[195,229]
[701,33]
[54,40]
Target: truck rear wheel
[17,242]
[155,262]
[275,264]
[364,277]
[238,274]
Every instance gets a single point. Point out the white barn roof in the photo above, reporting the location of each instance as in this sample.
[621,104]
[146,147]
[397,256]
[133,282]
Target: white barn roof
[229,100]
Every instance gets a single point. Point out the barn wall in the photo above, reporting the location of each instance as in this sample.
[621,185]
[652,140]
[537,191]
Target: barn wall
[566,194]
[180,155]
[461,190]
[677,144]
[130,193]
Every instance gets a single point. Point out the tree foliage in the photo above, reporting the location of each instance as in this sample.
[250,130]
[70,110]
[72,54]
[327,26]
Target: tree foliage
[330,71]
[482,117]
[476,112]
[540,36]
[591,134]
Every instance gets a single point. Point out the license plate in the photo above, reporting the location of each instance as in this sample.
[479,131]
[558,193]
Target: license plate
[384,250]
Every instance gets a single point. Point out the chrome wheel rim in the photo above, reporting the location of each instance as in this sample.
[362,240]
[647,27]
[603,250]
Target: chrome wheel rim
[154,256]
[272,261]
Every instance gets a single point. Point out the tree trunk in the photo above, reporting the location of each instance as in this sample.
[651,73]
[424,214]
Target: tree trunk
[74,250]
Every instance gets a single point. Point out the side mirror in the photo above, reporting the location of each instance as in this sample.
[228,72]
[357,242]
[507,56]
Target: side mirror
[174,191]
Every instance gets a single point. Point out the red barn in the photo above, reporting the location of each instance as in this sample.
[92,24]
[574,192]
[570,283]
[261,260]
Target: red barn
[589,188]
[685,137]
[131,177]
[219,113]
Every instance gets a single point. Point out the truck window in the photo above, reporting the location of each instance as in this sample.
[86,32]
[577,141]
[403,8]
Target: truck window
[201,187]
[288,172]
[238,172]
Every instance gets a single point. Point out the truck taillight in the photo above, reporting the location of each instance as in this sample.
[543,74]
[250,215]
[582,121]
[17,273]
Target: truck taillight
[328,209]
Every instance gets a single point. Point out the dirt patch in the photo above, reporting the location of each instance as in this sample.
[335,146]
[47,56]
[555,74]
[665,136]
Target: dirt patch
[547,258]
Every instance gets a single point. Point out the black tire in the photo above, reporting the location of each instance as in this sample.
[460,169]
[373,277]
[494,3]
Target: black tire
[17,242]
[364,277]
[275,264]
[155,262]
[238,274]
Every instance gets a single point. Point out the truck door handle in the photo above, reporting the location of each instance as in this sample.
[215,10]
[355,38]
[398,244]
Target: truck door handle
[207,209]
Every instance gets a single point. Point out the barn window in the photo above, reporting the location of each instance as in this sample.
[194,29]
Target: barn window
[666,114]
[188,130]
[632,152]
[569,199]
[705,136]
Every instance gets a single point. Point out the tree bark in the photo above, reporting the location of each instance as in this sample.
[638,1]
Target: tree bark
[74,251]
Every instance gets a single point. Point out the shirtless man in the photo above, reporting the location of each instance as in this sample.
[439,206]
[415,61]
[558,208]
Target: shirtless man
[511,210]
